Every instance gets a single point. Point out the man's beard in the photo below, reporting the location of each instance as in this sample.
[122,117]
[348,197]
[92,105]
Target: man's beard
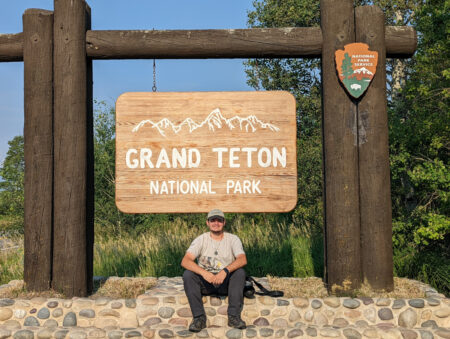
[217,232]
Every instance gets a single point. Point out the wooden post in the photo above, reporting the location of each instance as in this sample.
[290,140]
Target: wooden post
[340,152]
[374,170]
[90,166]
[38,135]
[72,213]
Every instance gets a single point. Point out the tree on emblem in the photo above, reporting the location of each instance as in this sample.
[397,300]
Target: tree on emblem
[346,67]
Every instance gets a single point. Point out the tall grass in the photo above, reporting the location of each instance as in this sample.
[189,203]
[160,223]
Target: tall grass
[278,250]
[272,249]
[152,253]
[430,267]
[11,263]
[275,249]
[11,249]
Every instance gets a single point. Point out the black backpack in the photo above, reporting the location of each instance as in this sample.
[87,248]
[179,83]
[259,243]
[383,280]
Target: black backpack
[249,290]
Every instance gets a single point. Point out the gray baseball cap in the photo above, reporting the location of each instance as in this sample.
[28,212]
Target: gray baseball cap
[216,213]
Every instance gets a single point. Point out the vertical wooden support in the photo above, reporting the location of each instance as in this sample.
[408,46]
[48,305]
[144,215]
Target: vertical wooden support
[38,134]
[90,166]
[72,215]
[374,170]
[341,193]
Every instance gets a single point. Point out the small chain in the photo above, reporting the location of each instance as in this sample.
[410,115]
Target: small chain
[154,76]
[216,248]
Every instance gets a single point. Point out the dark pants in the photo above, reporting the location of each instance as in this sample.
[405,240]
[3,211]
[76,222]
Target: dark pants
[233,286]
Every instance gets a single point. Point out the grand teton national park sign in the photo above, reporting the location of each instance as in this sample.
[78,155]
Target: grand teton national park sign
[190,152]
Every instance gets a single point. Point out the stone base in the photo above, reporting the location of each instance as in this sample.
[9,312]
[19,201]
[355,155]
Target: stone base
[252,331]
[163,312]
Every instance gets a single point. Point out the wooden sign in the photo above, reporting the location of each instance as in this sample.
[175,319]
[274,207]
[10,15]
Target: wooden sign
[356,67]
[191,152]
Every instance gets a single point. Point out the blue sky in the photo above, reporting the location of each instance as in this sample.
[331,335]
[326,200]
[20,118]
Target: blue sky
[111,78]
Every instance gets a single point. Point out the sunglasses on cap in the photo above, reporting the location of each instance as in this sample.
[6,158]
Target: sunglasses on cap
[219,219]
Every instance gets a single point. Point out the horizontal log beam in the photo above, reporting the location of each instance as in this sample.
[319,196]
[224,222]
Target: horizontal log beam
[200,44]
[401,41]
[294,42]
[11,47]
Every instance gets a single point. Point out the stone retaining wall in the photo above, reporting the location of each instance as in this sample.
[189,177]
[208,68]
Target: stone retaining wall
[166,306]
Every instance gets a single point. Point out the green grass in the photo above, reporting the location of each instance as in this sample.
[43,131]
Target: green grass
[272,249]
[11,226]
[429,267]
[275,249]
[11,265]
[278,250]
[11,260]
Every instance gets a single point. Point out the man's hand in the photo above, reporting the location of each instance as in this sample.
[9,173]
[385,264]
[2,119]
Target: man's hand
[209,277]
[219,278]
[189,264]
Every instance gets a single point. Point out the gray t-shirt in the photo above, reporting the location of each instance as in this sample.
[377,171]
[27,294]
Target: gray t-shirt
[215,255]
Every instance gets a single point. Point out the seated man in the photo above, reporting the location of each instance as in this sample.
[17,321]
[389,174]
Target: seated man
[219,271]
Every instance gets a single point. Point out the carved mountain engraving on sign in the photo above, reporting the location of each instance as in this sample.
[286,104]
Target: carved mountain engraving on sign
[191,152]
[214,120]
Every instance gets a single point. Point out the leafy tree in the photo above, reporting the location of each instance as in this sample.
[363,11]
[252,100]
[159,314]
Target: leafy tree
[12,172]
[298,76]
[108,219]
[106,213]
[301,78]
[418,95]
[419,134]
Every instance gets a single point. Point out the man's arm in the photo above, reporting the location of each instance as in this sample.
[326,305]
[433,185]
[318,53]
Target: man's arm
[240,261]
[189,263]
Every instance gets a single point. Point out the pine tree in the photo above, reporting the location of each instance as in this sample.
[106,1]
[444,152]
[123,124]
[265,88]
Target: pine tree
[346,67]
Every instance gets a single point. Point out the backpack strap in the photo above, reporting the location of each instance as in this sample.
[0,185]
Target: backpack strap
[265,291]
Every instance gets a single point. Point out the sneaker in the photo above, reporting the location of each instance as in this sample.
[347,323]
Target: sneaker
[198,324]
[236,322]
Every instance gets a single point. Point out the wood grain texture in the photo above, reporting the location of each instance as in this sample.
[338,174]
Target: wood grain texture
[198,44]
[290,42]
[38,136]
[89,167]
[70,268]
[374,170]
[341,193]
[11,47]
[401,42]
[278,184]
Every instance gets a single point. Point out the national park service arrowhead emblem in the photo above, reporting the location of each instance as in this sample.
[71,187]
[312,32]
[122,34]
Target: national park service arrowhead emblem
[356,66]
